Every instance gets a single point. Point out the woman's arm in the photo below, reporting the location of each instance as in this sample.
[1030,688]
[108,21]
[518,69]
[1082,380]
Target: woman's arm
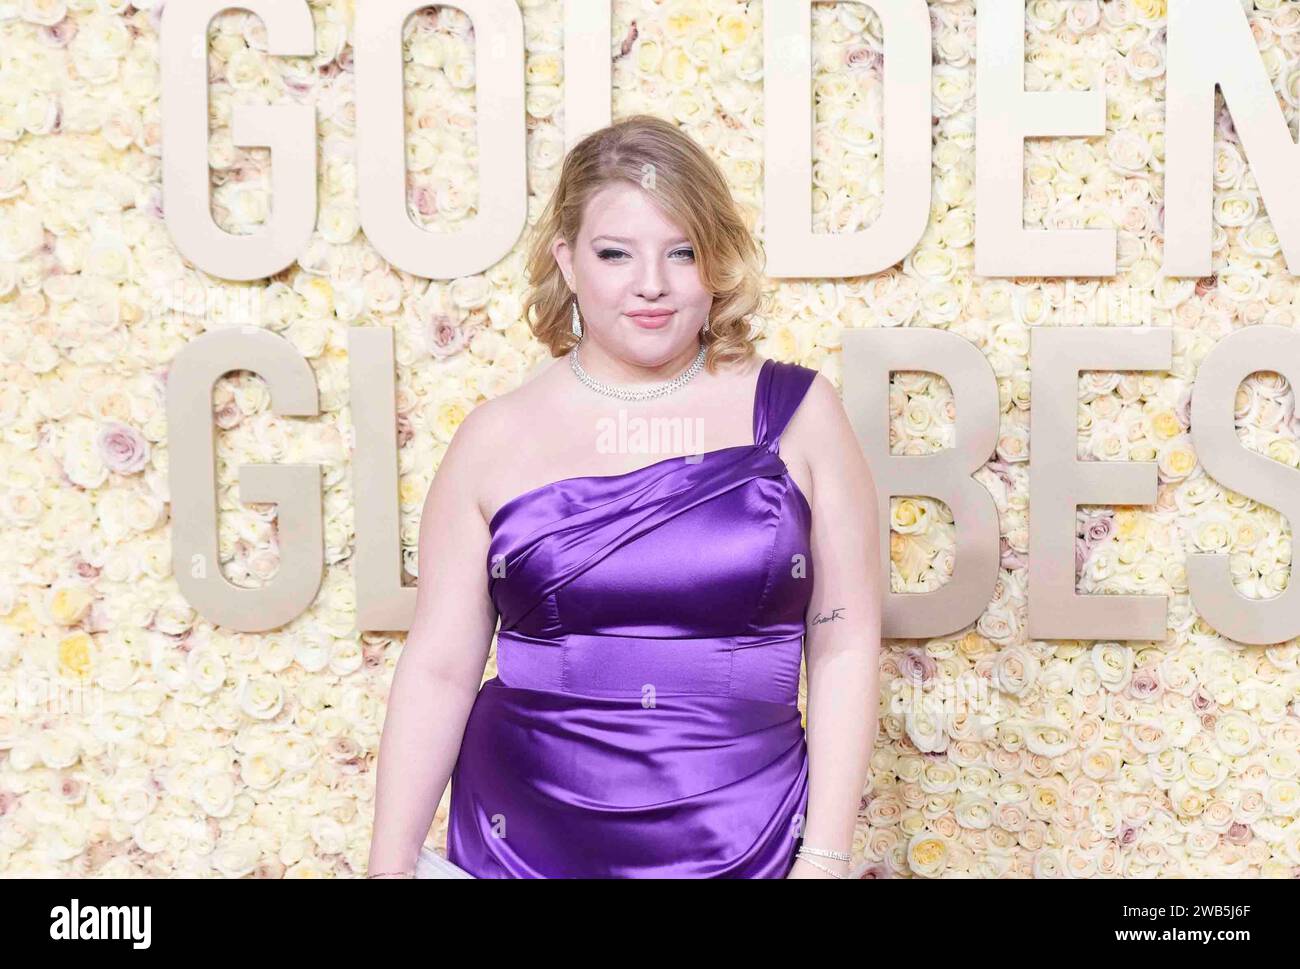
[441,666]
[842,645]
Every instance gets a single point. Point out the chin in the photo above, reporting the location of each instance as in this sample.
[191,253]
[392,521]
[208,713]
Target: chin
[653,349]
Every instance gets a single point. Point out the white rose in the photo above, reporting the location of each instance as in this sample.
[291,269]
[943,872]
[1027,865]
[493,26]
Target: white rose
[1212,533]
[38,112]
[1050,739]
[236,858]
[346,657]
[245,70]
[1229,166]
[214,792]
[927,854]
[924,720]
[57,749]
[82,462]
[309,336]
[952,88]
[133,801]
[1144,61]
[206,668]
[261,698]
[312,650]
[260,770]
[1260,239]
[338,224]
[1205,771]
[973,811]
[1113,663]
[1283,797]
[248,204]
[1015,670]
[1236,208]
[21,231]
[63,839]
[47,13]
[1129,152]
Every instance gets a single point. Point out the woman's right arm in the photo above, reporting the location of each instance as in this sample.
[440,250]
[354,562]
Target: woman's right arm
[441,665]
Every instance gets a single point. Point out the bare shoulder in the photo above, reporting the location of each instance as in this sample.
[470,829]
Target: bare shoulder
[496,426]
[828,444]
[479,436]
[820,417]
[473,437]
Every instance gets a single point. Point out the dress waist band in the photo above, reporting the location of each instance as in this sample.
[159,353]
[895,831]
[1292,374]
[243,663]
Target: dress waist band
[754,667]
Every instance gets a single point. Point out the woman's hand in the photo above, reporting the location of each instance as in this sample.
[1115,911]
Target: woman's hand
[803,869]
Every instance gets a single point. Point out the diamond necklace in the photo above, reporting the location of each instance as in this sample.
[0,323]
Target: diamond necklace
[622,393]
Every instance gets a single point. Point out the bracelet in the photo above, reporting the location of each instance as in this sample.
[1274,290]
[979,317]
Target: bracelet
[839,855]
[385,874]
[818,864]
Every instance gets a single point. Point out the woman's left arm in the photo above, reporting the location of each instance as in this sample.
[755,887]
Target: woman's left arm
[842,643]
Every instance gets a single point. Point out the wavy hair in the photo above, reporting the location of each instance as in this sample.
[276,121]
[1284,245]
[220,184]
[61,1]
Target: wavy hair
[692,192]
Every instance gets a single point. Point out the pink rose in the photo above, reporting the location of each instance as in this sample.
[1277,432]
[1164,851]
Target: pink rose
[299,84]
[424,200]
[875,870]
[405,430]
[1003,470]
[1238,834]
[443,337]
[227,415]
[916,666]
[629,40]
[60,34]
[123,448]
[1098,528]
[1145,684]
[1012,559]
[1183,410]
[860,57]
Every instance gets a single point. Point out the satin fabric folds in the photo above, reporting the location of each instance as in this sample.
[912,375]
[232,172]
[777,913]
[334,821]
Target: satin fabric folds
[643,722]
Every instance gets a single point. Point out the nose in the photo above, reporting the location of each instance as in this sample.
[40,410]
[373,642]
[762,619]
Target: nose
[650,282]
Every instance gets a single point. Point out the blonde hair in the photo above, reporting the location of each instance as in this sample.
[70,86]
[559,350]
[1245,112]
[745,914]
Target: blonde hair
[691,190]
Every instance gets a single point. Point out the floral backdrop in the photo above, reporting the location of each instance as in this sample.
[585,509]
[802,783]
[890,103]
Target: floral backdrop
[135,737]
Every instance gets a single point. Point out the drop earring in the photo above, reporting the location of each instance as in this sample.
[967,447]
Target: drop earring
[576,324]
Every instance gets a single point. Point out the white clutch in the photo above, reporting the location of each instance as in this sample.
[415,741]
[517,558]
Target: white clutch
[430,864]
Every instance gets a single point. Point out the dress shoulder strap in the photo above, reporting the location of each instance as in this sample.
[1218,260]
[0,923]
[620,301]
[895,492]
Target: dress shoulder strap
[781,388]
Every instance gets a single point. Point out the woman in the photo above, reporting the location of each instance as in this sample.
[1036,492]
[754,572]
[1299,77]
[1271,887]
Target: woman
[644,719]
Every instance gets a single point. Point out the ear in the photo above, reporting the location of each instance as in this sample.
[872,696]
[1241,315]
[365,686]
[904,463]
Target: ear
[564,258]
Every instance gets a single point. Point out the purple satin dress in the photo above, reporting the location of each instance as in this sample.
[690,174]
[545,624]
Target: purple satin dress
[643,722]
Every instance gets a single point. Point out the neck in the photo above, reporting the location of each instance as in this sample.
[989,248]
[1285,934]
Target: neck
[611,369]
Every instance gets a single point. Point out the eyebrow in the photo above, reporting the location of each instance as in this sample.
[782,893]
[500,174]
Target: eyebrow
[629,241]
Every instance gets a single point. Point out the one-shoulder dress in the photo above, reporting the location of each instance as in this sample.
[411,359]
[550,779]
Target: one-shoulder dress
[644,719]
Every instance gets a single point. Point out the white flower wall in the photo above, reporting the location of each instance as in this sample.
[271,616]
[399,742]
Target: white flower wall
[137,738]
